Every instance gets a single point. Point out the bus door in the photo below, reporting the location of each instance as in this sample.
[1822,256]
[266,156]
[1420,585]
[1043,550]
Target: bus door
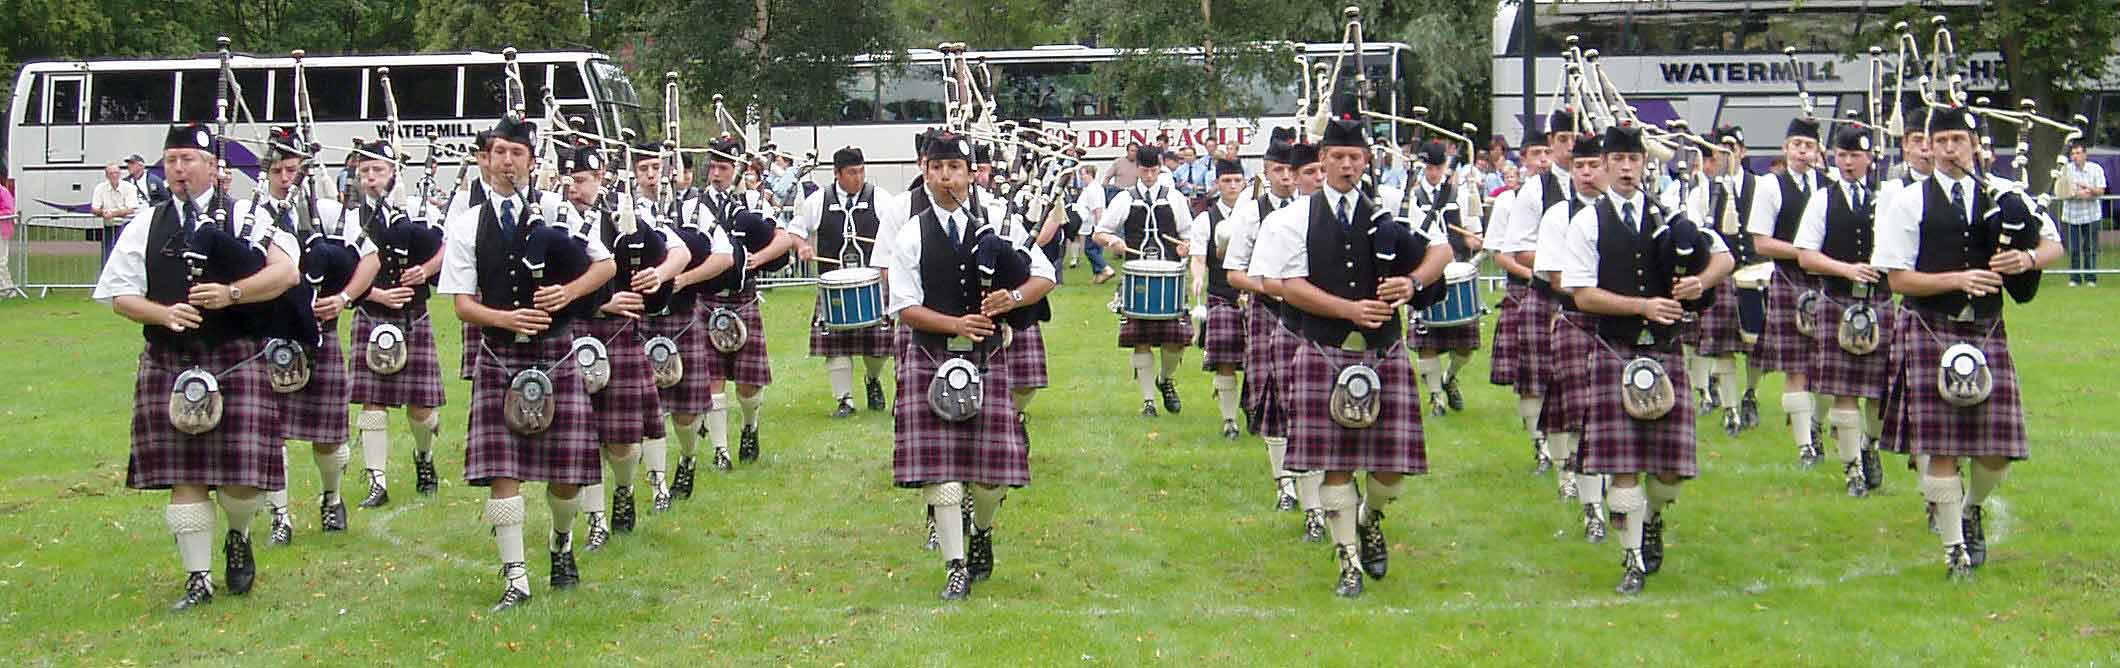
[65,111]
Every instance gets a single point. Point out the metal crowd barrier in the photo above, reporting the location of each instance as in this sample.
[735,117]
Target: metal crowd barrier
[54,251]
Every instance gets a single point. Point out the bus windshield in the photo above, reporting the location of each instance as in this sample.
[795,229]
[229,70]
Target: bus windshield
[621,102]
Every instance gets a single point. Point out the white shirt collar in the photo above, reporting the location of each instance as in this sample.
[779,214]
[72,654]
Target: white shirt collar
[1640,202]
[845,196]
[204,202]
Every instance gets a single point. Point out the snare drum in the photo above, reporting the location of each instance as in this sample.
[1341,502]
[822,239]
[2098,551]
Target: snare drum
[1461,298]
[1152,290]
[853,298]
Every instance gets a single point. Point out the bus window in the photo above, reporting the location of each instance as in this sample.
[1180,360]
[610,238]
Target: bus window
[857,97]
[1807,31]
[424,93]
[35,109]
[567,82]
[200,90]
[132,97]
[620,101]
[65,101]
[335,92]
[913,95]
[1046,90]
[2108,130]
[485,91]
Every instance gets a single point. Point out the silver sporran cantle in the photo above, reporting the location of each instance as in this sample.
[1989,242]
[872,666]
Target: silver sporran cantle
[1645,389]
[195,402]
[286,365]
[387,349]
[663,358]
[1858,329]
[726,330]
[1357,397]
[530,403]
[589,354]
[957,390]
[1963,377]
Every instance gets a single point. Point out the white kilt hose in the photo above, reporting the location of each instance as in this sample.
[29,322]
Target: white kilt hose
[1615,442]
[628,410]
[694,393]
[418,384]
[565,453]
[1316,443]
[1025,357]
[317,413]
[1719,332]
[1569,344]
[1509,335]
[987,450]
[1225,335]
[1839,373]
[749,364]
[1783,349]
[865,342]
[245,449]
[1918,421]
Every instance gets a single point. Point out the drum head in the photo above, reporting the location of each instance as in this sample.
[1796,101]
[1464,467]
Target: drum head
[849,277]
[1457,272]
[1152,267]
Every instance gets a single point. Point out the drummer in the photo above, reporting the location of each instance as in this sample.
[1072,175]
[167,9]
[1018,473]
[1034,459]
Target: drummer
[839,227]
[1431,207]
[1143,223]
[1224,343]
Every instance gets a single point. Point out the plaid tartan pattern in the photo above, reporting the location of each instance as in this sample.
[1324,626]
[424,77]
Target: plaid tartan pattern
[244,450]
[1225,335]
[1509,335]
[418,384]
[865,342]
[749,364]
[1263,400]
[1781,348]
[1917,420]
[567,453]
[628,409]
[1025,358]
[1460,337]
[989,449]
[317,414]
[694,393]
[1316,443]
[1571,343]
[1137,332]
[1534,353]
[469,361]
[1718,328]
[1839,373]
[1615,442]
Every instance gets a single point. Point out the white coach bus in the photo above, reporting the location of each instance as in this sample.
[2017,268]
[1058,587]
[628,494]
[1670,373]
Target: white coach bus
[69,118]
[884,106]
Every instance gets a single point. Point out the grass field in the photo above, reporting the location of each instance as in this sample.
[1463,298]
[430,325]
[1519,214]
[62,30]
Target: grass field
[1138,542]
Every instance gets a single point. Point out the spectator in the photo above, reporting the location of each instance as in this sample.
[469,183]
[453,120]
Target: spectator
[2080,211]
[114,201]
[1490,178]
[1192,173]
[7,232]
[149,187]
[1511,179]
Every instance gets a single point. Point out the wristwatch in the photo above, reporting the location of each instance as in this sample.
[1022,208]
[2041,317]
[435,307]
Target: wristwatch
[235,294]
[345,302]
[1016,296]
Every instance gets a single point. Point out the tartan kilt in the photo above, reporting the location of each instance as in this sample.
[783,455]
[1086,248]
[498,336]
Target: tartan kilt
[1918,420]
[1135,332]
[1615,442]
[1534,351]
[1720,331]
[418,384]
[1781,348]
[749,364]
[246,449]
[1570,344]
[1839,373]
[317,413]
[1225,335]
[1316,443]
[865,342]
[1264,413]
[469,360]
[1509,335]
[1465,337]
[628,410]
[567,453]
[1025,359]
[989,449]
[694,393]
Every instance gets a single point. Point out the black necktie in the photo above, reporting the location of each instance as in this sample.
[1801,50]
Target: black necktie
[1626,215]
[191,216]
[1345,217]
[508,216]
[1958,199]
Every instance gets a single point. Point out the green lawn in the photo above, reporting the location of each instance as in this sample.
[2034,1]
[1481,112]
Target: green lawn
[1139,541]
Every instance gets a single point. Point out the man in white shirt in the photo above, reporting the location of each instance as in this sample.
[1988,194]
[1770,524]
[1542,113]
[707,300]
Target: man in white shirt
[677,326]
[1433,208]
[393,314]
[1569,341]
[1721,205]
[1783,348]
[1146,222]
[2080,212]
[840,226]
[1614,262]
[1522,346]
[115,202]
[1223,341]
[1834,242]
[1951,275]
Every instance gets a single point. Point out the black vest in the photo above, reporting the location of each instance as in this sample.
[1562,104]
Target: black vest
[1627,265]
[1343,264]
[169,282]
[736,281]
[1851,235]
[1789,217]
[399,246]
[1950,243]
[1149,221]
[950,284]
[1435,205]
[1550,189]
[832,224]
[1217,279]
[506,279]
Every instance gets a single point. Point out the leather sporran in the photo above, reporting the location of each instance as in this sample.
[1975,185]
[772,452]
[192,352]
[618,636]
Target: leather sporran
[1645,389]
[669,367]
[1807,312]
[286,365]
[195,402]
[1357,397]
[589,355]
[1858,329]
[957,391]
[388,351]
[530,404]
[1963,377]
[726,330]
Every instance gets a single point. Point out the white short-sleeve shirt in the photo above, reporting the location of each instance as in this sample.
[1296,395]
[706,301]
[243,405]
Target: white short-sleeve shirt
[905,286]
[1766,204]
[460,247]
[125,273]
[1283,250]
[1811,228]
[1575,256]
[1899,223]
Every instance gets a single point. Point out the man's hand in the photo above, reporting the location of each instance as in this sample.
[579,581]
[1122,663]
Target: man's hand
[552,298]
[752,261]
[526,321]
[211,296]
[647,279]
[181,317]
[327,308]
[1686,288]
[1662,311]
[975,327]
[1115,246]
[1395,289]
[996,303]
[391,298]
[1861,273]
[1977,282]
[1369,313]
[626,304]
[412,276]
[2010,261]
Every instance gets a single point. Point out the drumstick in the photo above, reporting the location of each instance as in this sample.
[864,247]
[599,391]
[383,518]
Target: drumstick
[1464,231]
[1173,240]
[827,260]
